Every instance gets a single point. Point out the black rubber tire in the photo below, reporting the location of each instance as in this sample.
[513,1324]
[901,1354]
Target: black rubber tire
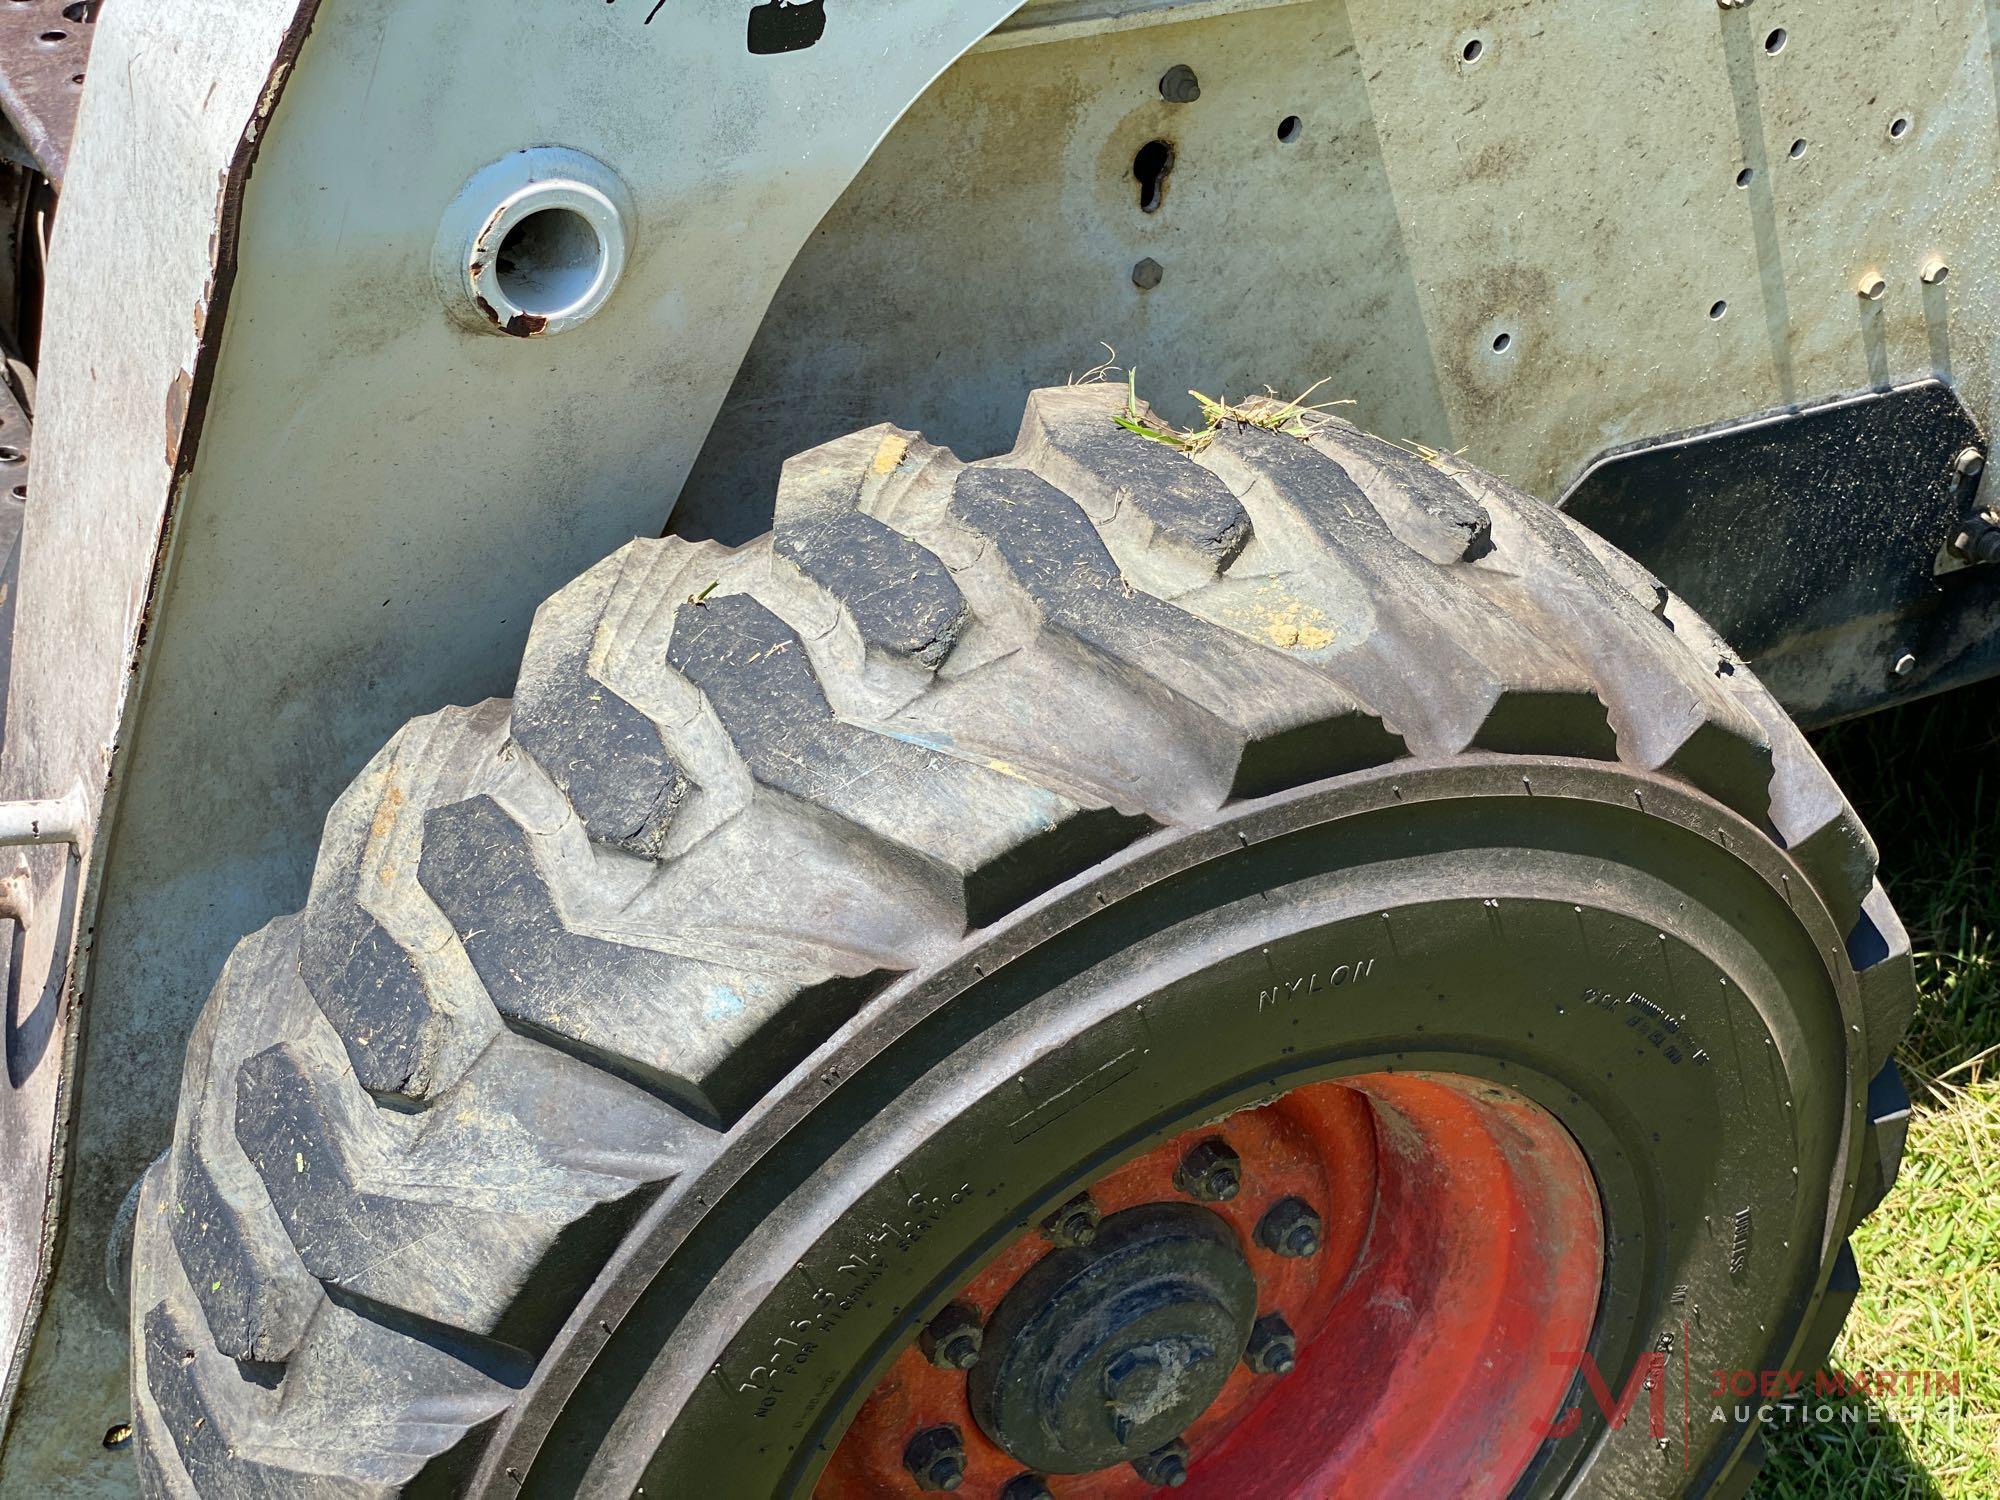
[555,950]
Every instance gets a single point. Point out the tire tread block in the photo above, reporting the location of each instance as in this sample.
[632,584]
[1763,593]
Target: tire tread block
[1256,704]
[329,1427]
[607,757]
[256,1295]
[1070,436]
[374,951]
[467,1216]
[1435,658]
[964,819]
[705,1035]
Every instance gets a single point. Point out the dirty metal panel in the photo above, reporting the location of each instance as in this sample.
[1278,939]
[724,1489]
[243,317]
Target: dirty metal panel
[1041,21]
[154,162]
[44,47]
[1511,230]
[1810,539]
[380,496]
[16,442]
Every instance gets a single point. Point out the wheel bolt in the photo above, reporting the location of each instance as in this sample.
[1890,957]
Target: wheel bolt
[1273,1349]
[952,1340]
[1166,1467]
[1075,1223]
[1291,1228]
[1027,1487]
[1210,1173]
[935,1458]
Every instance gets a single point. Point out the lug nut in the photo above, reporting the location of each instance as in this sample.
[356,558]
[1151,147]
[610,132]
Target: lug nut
[1166,1467]
[935,1458]
[1969,464]
[1074,1224]
[1905,664]
[1273,1349]
[952,1340]
[1290,1228]
[1210,1173]
[1027,1487]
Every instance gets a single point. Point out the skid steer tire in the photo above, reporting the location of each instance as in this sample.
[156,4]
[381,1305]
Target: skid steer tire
[657,1052]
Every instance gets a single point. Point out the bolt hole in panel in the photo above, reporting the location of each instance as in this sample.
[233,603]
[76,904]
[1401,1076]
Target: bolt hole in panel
[1151,166]
[43,51]
[534,244]
[1437,200]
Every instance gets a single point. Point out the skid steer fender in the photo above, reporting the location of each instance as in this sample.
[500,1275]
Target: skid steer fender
[255,554]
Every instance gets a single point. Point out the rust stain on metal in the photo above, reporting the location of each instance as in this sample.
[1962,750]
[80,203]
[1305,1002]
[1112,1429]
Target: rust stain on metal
[179,392]
[522,325]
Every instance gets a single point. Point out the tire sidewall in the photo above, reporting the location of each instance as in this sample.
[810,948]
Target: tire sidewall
[1641,966]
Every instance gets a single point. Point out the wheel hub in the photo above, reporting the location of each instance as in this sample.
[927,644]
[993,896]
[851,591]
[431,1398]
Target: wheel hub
[1364,1287]
[1104,1352]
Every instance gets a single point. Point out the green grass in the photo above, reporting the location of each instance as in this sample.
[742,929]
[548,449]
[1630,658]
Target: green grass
[1927,780]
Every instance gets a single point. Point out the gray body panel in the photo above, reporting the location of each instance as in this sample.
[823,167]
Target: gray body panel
[380,496]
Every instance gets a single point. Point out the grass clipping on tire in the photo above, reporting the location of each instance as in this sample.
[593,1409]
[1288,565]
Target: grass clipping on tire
[1293,418]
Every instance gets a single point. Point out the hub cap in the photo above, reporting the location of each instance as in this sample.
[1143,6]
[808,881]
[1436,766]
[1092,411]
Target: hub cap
[1101,1354]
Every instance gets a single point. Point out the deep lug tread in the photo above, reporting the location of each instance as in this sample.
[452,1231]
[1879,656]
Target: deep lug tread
[374,950]
[1666,707]
[1432,515]
[699,1033]
[1259,705]
[1811,817]
[1472,654]
[553,948]
[324,1428]
[1886,1134]
[1070,436]
[449,1217]
[1878,947]
[961,817]
[605,755]
[255,1293]
[899,596]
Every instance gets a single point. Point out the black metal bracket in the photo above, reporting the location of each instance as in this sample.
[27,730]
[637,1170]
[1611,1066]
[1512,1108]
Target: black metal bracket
[1810,539]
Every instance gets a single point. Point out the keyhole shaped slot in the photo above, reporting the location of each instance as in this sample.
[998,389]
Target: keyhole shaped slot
[1151,166]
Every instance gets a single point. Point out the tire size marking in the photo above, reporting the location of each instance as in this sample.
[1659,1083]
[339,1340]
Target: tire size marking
[1669,1035]
[1312,982]
[866,1255]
